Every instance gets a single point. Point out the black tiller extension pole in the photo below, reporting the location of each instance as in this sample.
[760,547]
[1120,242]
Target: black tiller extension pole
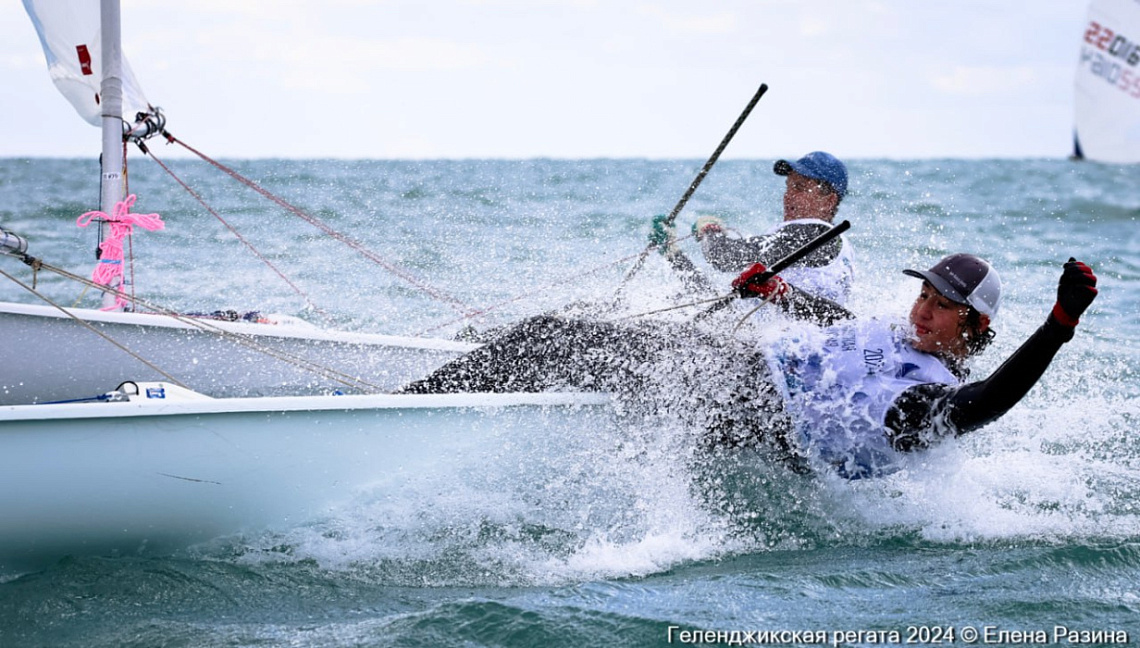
[697,180]
[782,264]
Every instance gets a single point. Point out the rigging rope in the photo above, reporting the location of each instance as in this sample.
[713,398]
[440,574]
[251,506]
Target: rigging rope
[204,326]
[93,329]
[565,280]
[454,303]
[241,238]
[521,296]
[465,311]
[130,254]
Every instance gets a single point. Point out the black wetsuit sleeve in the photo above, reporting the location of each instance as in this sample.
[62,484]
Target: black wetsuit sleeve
[923,414]
[737,254]
[813,308]
[691,277]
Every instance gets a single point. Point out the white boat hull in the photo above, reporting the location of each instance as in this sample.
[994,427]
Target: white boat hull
[136,477]
[48,357]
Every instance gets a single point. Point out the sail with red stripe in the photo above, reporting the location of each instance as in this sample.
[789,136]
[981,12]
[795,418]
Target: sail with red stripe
[69,32]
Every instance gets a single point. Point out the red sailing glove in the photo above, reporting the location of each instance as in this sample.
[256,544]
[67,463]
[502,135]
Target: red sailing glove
[1075,291]
[750,283]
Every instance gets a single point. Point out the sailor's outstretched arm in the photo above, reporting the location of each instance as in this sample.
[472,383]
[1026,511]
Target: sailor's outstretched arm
[691,277]
[926,413]
[736,254]
[795,302]
[733,254]
[813,308]
[663,237]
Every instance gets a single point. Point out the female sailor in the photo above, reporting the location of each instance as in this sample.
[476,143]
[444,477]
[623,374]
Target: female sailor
[856,395]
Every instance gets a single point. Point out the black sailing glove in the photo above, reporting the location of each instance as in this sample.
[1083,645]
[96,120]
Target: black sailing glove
[1075,291]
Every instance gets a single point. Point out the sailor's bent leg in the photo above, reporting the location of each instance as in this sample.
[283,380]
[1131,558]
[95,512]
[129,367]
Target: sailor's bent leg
[748,411]
[544,353]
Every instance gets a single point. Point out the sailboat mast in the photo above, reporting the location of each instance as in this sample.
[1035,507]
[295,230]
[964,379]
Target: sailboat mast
[111,100]
[111,96]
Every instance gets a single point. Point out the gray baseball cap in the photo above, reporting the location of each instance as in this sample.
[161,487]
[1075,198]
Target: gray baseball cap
[965,279]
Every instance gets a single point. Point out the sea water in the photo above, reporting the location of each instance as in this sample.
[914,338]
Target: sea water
[1023,533]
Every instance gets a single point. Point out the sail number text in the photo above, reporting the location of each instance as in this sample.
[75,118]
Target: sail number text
[1116,46]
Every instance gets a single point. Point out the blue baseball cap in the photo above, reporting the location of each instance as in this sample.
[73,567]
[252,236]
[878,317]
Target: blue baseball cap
[817,165]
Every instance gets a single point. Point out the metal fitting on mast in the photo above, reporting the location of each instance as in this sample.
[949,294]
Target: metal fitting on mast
[13,244]
[147,125]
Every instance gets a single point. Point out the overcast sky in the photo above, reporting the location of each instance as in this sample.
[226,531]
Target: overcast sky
[576,78]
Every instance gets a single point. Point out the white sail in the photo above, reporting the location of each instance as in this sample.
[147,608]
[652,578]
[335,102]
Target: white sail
[1107,102]
[69,32]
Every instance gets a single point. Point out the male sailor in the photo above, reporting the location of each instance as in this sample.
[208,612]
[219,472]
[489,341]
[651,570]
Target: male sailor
[815,185]
[853,395]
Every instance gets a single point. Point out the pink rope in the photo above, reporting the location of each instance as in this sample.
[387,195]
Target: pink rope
[122,225]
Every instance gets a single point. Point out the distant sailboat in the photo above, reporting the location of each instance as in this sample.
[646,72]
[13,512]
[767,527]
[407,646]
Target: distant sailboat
[1107,101]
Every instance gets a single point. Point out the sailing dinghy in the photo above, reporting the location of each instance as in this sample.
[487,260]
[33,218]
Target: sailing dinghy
[157,468]
[1107,100]
[54,353]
